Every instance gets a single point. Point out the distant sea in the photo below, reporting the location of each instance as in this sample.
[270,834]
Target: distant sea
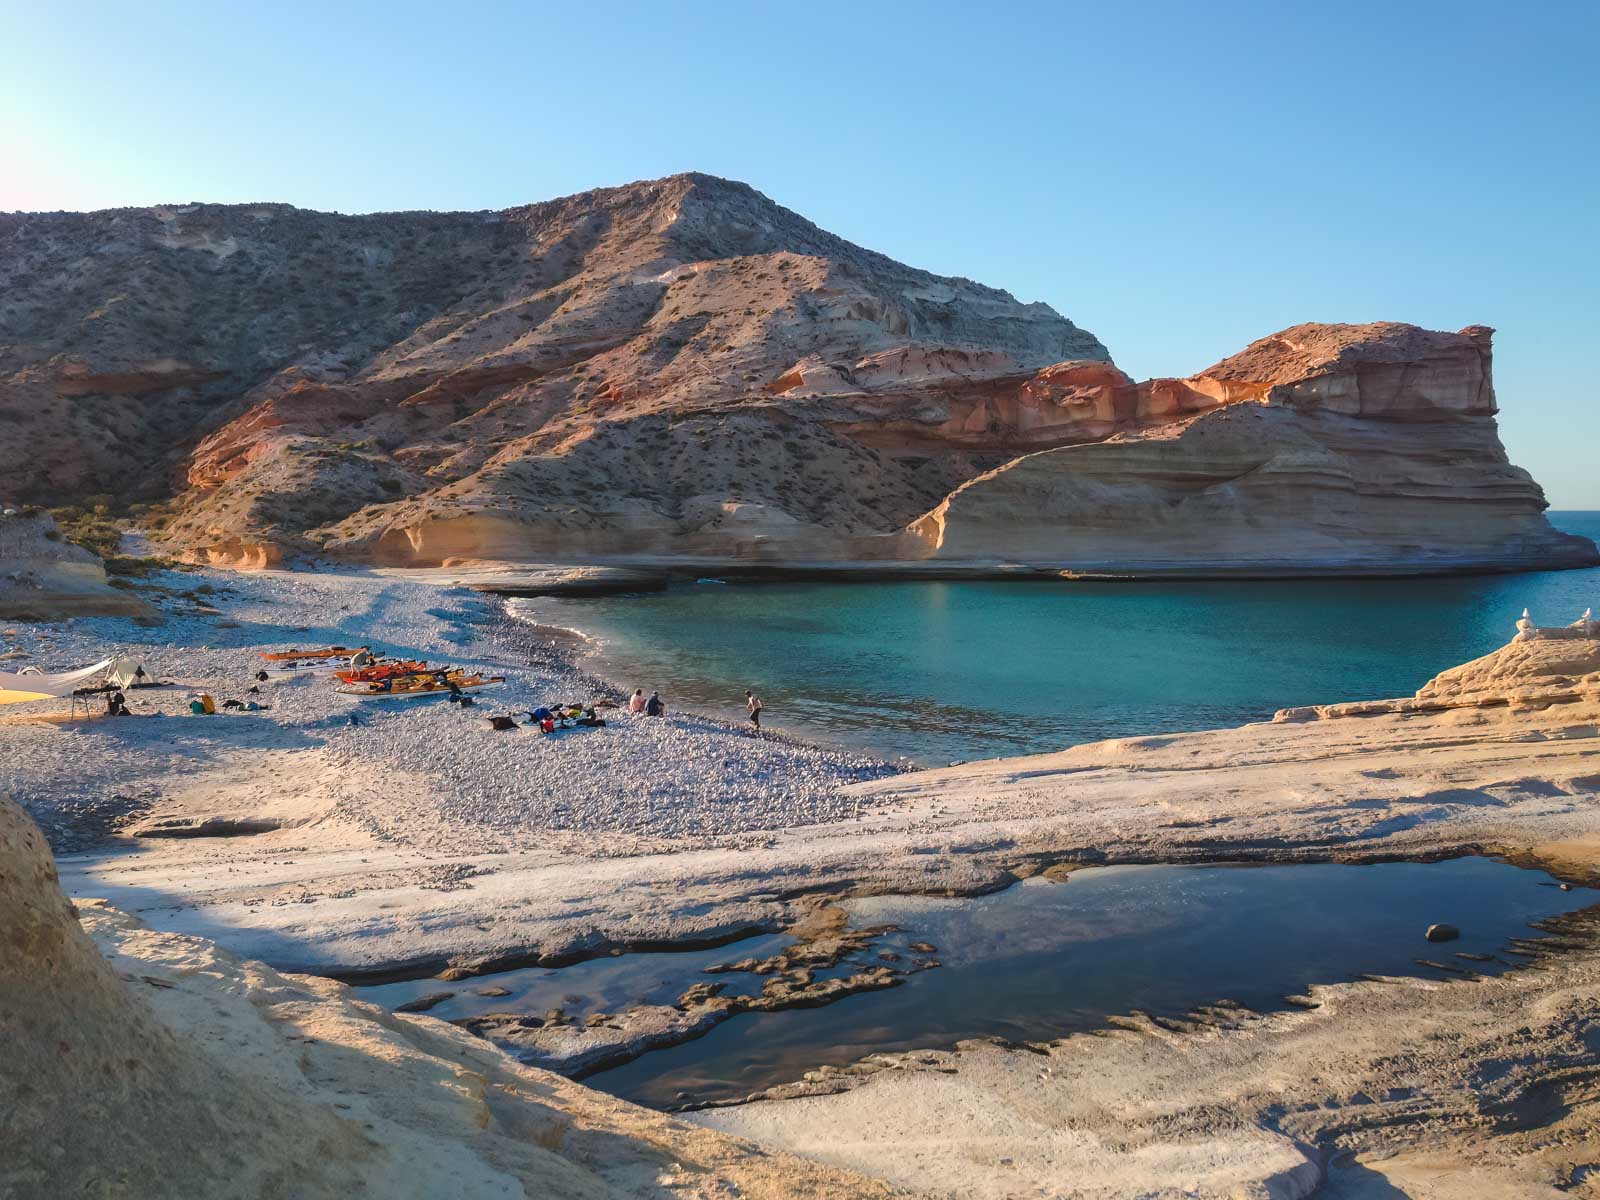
[936,672]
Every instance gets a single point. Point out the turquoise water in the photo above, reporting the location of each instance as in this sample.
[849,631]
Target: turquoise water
[942,671]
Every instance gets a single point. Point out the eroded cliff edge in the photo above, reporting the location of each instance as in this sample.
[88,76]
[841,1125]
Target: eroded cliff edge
[1322,450]
[1328,449]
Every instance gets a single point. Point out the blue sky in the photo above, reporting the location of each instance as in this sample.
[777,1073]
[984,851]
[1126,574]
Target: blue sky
[1179,178]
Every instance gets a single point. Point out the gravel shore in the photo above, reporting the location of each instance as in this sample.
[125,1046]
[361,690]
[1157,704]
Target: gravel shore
[424,773]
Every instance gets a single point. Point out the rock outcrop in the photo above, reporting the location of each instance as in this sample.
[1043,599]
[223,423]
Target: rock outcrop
[97,1097]
[44,577]
[1536,670]
[143,1064]
[1327,449]
[682,369]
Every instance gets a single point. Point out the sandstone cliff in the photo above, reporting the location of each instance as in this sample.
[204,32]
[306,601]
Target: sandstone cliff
[629,348]
[683,369]
[1327,449]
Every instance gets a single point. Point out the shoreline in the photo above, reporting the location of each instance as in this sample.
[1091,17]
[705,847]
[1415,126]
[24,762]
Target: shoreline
[573,650]
[534,576]
[621,574]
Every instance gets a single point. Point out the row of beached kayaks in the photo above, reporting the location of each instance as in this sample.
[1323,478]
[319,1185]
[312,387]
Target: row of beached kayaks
[381,679]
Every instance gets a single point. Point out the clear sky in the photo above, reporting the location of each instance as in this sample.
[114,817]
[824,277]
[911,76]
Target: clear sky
[1179,178]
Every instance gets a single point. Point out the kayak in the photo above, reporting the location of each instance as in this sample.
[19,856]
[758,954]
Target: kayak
[417,687]
[328,652]
[381,671]
[306,666]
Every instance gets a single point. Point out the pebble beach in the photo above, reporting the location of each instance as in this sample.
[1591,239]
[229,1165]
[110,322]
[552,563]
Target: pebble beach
[426,773]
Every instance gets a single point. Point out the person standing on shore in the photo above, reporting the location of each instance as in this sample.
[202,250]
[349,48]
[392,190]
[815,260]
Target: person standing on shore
[636,701]
[753,703]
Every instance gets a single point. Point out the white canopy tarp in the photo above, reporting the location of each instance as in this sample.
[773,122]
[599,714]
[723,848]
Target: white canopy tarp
[34,685]
[125,672]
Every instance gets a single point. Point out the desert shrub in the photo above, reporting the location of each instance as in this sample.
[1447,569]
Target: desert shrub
[124,567]
[94,529]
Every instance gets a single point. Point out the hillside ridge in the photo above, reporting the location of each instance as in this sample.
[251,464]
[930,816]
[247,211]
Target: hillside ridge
[683,369]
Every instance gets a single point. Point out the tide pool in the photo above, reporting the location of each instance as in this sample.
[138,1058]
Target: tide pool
[1041,960]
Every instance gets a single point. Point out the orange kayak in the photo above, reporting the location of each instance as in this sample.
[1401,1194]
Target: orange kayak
[381,671]
[330,652]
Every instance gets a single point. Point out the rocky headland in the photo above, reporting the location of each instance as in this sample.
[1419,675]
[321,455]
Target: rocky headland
[1323,449]
[681,371]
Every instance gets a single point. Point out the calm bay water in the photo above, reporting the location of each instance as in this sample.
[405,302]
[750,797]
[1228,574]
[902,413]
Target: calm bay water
[942,671]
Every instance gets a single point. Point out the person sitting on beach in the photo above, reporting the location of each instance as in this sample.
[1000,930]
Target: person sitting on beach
[117,705]
[653,707]
[636,701]
[753,703]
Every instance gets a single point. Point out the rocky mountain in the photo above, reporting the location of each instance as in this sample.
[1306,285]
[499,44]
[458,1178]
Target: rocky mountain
[682,369]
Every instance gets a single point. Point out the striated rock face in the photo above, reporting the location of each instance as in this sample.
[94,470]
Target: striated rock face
[655,343]
[683,369]
[1327,449]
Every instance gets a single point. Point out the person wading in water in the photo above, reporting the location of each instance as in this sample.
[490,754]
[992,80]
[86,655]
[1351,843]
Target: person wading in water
[753,703]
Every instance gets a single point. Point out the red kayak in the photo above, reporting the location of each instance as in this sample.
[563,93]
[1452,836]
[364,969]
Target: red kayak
[381,671]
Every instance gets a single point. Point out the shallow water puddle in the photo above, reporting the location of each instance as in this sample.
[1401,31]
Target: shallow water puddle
[1042,959]
[609,984]
[1037,961]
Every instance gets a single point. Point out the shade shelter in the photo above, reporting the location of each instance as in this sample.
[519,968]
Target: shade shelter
[33,684]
